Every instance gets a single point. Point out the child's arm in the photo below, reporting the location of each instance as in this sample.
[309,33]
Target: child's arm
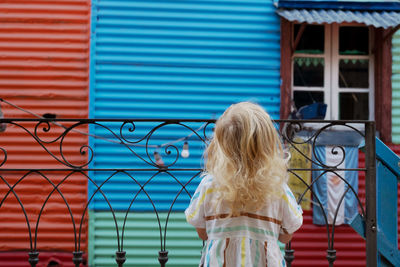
[195,212]
[202,233]
[292,216]
[285,238]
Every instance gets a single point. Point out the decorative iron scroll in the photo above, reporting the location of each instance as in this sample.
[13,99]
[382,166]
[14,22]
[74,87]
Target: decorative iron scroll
[152,150]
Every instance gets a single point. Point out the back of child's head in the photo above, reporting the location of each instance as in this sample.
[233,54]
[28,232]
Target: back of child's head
[245,157]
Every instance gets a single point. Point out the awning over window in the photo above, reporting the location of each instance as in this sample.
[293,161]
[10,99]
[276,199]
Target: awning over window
[383,19]
[377,5]
[380,14]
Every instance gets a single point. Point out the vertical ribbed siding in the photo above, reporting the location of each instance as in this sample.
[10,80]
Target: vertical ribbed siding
[44,56]
[396,88]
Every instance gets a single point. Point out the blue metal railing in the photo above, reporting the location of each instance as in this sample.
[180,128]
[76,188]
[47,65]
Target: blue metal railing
[387,177]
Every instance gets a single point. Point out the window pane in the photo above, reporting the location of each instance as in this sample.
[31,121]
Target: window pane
[353,41]
[353,106]
[312,39]
[308,72]
[303,98]
[353,73]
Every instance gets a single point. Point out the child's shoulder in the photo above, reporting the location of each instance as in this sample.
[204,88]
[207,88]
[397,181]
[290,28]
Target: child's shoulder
[287,190]
[206,179]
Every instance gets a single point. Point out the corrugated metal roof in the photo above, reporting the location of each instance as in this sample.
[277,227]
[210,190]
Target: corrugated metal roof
[44,51]
[396,88]
[377,19]
[341,4]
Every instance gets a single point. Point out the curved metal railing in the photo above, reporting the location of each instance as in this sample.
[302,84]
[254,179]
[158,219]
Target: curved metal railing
[140,137]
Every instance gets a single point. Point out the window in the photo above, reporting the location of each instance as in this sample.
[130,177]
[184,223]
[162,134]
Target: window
[333,64]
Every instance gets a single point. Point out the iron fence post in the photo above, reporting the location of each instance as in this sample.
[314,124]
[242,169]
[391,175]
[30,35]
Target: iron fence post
[289,256]
[163,257]
[33,258]
[77,258]
[370,195]
[121,258]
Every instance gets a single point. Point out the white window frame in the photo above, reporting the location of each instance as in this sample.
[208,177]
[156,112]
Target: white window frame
[331,58]
[335,89]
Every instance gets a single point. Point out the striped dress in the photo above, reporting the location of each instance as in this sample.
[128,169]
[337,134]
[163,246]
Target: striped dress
[249,239]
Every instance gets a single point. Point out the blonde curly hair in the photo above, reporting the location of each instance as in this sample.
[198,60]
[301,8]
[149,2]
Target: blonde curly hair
[246,158]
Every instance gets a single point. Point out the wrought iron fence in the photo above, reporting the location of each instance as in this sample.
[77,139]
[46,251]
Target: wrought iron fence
[160,153]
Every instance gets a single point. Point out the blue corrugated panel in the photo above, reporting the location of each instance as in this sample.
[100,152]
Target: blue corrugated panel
[175,59]
[396,88]
[377,19]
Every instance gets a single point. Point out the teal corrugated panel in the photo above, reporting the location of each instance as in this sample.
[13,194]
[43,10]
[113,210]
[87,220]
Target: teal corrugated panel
[396,88]
[173,59]
[142,239]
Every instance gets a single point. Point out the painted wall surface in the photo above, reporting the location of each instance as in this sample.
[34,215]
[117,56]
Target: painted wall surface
[149,59]
[396,88]
[310,241]
[142,239]
[168,59]
[20,259]
[44,56]
[190,59]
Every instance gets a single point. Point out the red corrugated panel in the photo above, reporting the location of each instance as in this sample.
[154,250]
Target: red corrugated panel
[310,245]
[44,68]
[20,259]
[310,242]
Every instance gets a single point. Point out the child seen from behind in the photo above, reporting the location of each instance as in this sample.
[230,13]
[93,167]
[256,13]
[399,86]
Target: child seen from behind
[243,205]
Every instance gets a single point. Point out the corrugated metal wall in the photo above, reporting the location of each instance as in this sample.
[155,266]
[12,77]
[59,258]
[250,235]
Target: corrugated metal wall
[185,59]
[142,239]
[396,88]
[310,241]
[44,58]
[150,59]
[46,259]
[173,59]
[179,60]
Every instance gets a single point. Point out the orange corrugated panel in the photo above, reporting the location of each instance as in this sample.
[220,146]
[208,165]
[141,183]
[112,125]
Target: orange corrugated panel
[44,53]
[44,68]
